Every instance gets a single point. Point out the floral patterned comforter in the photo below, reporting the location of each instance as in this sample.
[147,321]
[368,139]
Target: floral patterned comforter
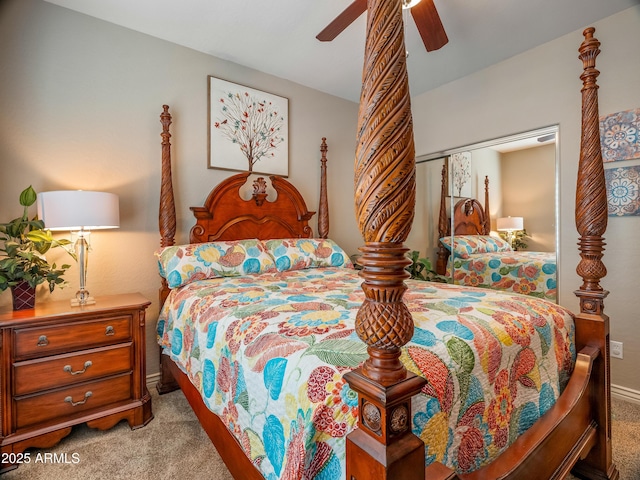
[529,273]
[268,352]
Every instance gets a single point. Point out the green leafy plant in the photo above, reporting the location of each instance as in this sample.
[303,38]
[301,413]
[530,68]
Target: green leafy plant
[421,268]
[519,239]
[23,243]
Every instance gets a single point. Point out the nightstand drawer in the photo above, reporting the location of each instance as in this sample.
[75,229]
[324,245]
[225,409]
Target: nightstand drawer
[41,341]
[38,375]
[67,402]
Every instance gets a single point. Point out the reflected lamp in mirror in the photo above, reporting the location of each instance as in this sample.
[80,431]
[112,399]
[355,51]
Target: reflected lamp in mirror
[510,225]
[408,4]
[79,212]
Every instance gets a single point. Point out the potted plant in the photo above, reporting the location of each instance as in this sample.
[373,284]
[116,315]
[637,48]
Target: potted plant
[23,243]
[421,269]
[519,241]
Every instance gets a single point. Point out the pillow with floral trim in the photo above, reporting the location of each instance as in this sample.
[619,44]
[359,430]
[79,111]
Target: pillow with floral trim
[182,264]
[465,245]
[301,253]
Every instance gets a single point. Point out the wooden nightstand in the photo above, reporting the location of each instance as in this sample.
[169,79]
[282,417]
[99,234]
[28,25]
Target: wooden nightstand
[62,366]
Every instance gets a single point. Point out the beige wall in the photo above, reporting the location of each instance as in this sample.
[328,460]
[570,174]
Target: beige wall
[539,88]
[529,191]
[81,100]
[424,231]
[486,163]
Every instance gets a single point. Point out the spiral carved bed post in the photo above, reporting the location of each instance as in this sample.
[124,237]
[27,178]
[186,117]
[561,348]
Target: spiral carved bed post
[443,223]
[323,206]
[167,218]
[383,445]
[487,210]
[591,222]
[167,215]
[167,226]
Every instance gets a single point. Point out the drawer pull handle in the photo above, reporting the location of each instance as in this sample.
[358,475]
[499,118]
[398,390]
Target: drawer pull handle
[43,341]
[109,331]
[87,364]
[81,402]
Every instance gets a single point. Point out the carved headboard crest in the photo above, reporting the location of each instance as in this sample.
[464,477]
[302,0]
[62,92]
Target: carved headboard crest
[259,190]
[468,207]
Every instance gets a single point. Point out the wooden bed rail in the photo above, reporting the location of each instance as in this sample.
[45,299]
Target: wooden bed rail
[551,448]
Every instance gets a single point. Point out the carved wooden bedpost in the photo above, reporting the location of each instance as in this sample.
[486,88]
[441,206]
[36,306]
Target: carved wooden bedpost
[591,222]
[167,218]
[167,226]
[443,224]
[487,211]
[385,202]
[323,207]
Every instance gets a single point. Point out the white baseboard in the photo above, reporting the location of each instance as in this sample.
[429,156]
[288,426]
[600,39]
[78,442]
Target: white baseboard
[626,394]
[152,379]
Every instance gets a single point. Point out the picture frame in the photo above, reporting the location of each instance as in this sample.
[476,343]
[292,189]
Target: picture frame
[460,176]
[623,190]
[248,129]
[619,138]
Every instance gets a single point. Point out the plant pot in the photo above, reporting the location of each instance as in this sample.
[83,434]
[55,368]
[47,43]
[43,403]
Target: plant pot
[24,296]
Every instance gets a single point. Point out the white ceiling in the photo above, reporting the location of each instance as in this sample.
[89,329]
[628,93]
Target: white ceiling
[278,36]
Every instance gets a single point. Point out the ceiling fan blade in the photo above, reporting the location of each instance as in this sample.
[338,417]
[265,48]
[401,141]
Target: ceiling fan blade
[429,25]
[342,21]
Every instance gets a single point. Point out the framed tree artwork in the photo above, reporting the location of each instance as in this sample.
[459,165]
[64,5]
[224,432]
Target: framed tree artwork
[461,175]
[248,129]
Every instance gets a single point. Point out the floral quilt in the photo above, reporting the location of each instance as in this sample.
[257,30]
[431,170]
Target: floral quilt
[529,273]
[268,353]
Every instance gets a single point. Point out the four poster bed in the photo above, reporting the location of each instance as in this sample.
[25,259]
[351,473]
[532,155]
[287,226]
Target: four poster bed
[481,260]
[314,371]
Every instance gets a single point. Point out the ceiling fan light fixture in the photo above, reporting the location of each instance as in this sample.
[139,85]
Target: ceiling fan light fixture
[407,4]
[424,14]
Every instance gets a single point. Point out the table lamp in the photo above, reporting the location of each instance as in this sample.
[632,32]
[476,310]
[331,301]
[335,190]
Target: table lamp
[510,225]
[79,211]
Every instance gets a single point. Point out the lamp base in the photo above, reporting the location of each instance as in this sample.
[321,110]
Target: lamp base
[82,298]
[88,301]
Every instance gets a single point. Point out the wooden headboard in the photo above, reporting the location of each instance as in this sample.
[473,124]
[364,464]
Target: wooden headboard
[227,216]
[469,218]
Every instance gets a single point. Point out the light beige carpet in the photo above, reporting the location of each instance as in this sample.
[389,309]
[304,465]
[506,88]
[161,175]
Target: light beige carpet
[174,446]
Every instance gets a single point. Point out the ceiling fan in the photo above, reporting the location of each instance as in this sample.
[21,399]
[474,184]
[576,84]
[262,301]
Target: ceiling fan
[423,11]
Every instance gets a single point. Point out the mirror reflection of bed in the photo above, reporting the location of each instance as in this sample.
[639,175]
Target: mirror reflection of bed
[521,173]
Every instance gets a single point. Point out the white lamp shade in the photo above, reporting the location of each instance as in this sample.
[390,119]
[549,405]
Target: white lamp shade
[78,210]
[406,4]
[506,224]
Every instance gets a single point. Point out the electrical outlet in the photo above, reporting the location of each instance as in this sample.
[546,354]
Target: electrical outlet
[616,349]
